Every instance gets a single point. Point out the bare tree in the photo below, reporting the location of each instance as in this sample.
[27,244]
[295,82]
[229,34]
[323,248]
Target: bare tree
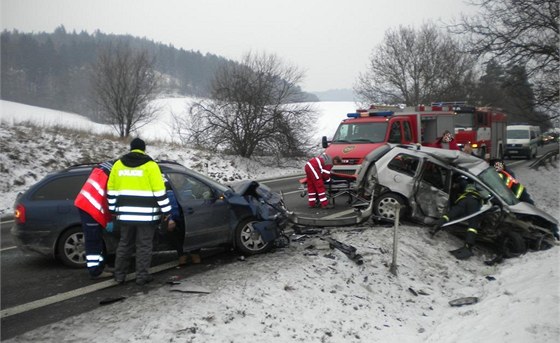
[414,67]
[124,83]
[255,107]
[519,32]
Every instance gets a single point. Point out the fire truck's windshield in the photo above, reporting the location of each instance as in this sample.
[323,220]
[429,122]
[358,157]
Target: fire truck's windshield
[360,133]
[464,120]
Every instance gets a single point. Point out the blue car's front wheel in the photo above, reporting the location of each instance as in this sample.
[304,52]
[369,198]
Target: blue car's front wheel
[248,240]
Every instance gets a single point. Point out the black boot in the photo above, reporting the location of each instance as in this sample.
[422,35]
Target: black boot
[462,253]
[466,251]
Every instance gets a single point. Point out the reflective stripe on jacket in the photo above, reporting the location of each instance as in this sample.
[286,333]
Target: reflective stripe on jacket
[469,190]
[516,187]
[137,193]
[93,198]
[320,168]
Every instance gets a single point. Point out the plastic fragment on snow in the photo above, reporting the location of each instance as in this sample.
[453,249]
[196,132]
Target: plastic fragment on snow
[463,301]
[108,301]
[186,287]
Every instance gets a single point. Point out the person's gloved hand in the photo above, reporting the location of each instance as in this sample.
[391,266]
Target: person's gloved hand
[437,226]
[171,225]
[109,227]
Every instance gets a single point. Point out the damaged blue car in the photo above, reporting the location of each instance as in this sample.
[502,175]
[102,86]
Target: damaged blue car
[247,216]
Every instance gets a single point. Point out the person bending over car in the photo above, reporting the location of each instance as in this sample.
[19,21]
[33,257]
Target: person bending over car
[318,171]
[95,216]
[468,202]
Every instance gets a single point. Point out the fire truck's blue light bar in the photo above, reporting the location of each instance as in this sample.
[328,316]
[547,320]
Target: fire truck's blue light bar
[370,114]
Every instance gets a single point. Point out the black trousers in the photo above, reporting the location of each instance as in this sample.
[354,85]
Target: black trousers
[468,205]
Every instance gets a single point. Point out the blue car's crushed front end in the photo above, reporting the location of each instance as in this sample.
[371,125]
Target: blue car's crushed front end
[258,201]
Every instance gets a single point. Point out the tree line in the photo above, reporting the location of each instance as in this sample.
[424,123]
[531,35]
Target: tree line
[256,106]
[52,69]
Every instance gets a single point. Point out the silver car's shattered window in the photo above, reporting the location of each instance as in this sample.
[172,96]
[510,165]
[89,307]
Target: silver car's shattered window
[491,179]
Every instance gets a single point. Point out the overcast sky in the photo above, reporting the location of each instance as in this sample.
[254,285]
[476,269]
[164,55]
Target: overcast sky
[330,40]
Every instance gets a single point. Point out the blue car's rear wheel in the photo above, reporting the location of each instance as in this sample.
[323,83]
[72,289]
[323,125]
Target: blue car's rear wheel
[70,249]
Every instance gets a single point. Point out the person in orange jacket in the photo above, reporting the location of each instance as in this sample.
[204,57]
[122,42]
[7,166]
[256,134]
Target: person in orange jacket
[508,177]
[95,216]
[318,171]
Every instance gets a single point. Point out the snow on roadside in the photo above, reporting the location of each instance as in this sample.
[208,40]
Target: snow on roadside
[308,292]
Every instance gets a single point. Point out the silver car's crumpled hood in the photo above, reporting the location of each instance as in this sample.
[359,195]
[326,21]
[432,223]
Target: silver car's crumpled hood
[528,209]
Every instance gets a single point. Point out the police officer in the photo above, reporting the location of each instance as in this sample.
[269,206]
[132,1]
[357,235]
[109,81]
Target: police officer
[137,197]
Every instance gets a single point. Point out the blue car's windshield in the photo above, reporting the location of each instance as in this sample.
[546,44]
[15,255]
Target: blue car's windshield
[360,133]
[209,181]
[491,178]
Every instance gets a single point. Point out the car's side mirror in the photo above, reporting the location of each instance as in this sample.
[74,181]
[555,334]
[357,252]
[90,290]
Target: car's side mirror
[324,142]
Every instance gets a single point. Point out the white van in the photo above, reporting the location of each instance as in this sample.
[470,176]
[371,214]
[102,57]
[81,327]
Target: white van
[522,140]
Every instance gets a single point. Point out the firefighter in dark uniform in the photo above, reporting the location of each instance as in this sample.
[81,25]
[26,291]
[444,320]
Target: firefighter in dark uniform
[469,201]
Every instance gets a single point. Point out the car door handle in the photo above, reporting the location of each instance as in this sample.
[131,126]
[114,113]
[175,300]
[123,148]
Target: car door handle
[189,210]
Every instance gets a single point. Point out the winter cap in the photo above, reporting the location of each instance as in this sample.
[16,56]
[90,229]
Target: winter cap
[137,144]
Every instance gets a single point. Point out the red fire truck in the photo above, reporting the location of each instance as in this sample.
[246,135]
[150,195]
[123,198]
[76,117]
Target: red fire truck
[483,128]
[366,130]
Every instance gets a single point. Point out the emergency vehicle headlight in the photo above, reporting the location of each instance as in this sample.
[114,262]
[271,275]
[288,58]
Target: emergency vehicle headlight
[474,145]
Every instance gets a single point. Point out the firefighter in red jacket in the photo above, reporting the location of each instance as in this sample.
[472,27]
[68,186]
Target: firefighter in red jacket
[95,216]
[318,171]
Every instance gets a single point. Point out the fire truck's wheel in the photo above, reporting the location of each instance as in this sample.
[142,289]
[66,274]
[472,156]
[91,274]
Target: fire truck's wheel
[384,205]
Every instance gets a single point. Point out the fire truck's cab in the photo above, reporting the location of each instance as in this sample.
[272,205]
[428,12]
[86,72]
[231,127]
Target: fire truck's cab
[366,130]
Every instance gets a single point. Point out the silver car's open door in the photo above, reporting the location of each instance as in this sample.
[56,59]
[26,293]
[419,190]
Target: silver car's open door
[430,198]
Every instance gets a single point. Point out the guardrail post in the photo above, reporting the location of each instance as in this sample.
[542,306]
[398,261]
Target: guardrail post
[393,268]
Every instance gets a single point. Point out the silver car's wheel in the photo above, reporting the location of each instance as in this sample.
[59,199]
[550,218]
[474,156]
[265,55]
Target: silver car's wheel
[71,248]
[384,205]
[248,240]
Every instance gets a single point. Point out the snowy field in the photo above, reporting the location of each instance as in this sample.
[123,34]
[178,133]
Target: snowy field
[305,292]
[28,153]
